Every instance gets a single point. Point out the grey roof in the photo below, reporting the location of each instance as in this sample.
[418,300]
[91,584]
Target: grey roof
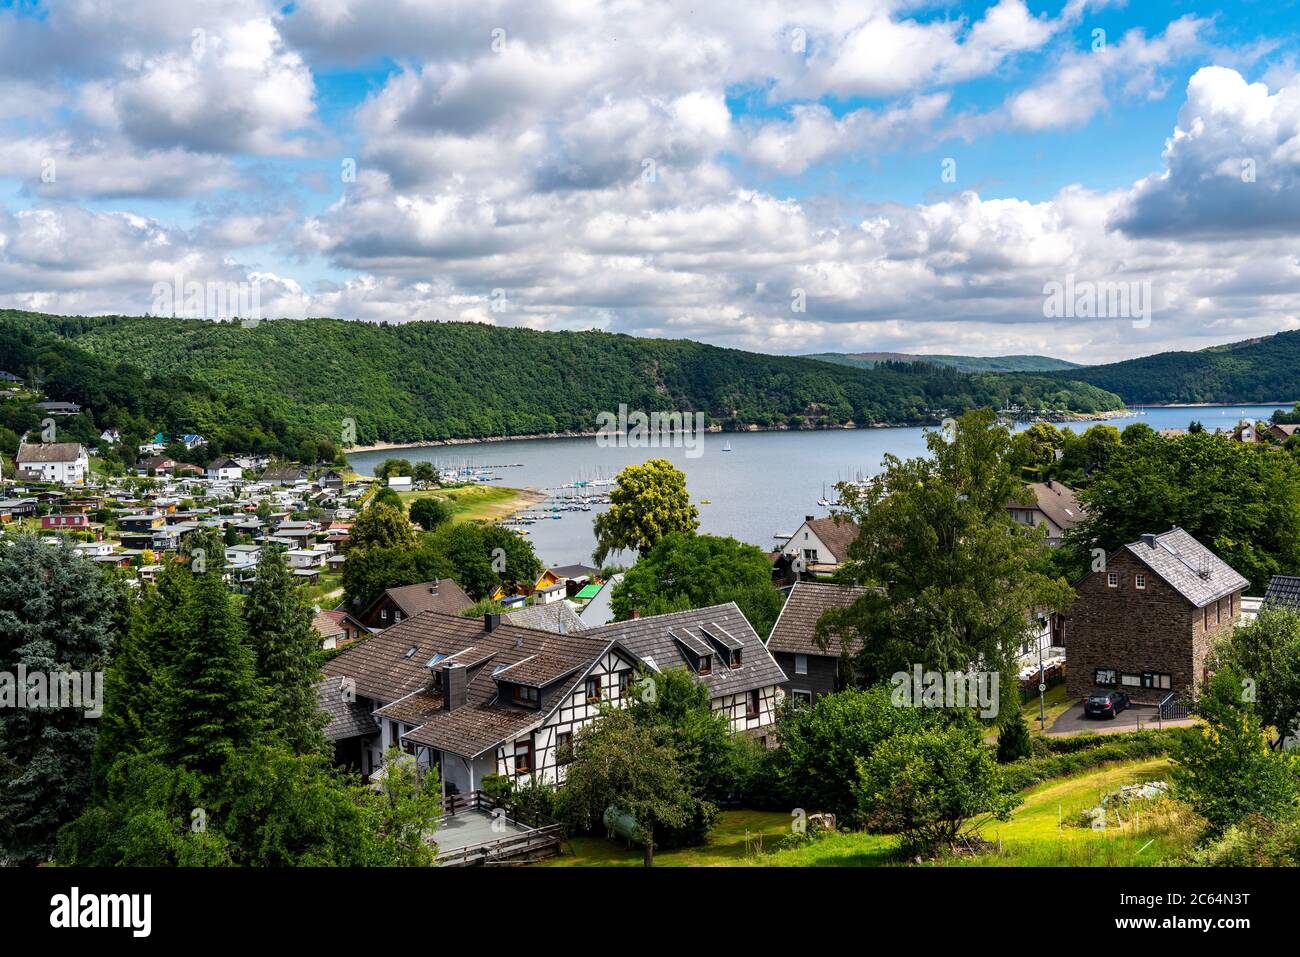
[575,571]
[1283,591]
[348,718]
[558,617]
[653,637]
[1187,566]
[50,452]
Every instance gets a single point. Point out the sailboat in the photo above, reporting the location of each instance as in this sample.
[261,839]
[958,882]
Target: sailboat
[727,447]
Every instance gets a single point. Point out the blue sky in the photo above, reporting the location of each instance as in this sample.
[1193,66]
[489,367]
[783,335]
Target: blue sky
[913,174]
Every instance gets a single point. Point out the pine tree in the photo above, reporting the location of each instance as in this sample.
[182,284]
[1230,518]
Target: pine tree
[56,616]
[212,702]
[285,644]
[1013,737]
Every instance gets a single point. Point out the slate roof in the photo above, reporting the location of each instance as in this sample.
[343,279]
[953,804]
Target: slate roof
[547,617]
[49,452]
[836,533]
[1187,566]
[347,719]
[795,628]
[1283,591]
[392,667]
[446,598]
[649,637]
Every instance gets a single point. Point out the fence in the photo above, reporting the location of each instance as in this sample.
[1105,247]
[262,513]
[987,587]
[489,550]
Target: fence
[541,839]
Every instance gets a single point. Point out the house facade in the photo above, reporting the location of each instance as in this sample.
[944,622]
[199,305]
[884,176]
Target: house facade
[471,697]
[1145,623]
[64,462]
[811,670]
[817,548]
[720,649]
[225,470]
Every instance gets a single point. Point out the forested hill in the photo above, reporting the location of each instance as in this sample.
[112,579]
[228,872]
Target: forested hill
[1255,370]
[429,380]
[867,360]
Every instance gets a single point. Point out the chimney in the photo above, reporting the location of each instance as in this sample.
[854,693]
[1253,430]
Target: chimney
[1149,541]
[433,589]
[1049,483]
[636,612]
[808,518]
[491,622]
[455,686]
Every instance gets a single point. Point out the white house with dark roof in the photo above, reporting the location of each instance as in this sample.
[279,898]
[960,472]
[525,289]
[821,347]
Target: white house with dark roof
[1052,505]
[64,462]
[472,697]
[716,645]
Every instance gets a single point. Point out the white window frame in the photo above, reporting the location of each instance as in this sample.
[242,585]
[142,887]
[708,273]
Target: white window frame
[1140,581]
[1112,580]
[798,660]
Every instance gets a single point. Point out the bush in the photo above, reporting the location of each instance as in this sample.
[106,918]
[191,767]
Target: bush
[1255,841]
[1069,756]
[497,786]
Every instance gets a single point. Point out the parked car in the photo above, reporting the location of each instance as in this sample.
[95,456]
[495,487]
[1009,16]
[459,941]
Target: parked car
[1105,705]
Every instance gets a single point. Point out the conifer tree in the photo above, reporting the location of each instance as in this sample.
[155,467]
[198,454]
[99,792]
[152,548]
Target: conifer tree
[285,645]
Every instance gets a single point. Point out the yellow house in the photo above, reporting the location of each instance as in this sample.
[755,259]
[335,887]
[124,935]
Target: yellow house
[546,581]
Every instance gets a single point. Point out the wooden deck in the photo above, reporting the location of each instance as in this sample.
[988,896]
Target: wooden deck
[478,830]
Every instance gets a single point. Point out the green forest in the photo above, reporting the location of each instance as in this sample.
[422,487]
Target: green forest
[280,383]
[1256,370]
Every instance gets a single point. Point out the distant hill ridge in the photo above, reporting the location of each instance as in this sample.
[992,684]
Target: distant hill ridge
[867,360]
[435,381]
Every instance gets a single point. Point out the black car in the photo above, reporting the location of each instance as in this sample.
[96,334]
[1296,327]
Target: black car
[1105,705]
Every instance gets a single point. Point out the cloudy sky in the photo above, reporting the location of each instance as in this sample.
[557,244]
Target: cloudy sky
[787,177]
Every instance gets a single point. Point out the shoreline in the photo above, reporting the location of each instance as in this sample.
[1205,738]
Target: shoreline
[714,429]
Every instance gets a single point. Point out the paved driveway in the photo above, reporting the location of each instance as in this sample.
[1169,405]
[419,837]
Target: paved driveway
[1133,718]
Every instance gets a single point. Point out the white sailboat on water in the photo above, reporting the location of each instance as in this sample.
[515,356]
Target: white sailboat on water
[727,446]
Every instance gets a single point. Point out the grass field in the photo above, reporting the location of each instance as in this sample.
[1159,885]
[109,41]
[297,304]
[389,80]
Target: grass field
[486,503]
[1031,838]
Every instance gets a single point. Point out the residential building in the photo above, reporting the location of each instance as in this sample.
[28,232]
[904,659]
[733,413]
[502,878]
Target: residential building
[1145,622]
[1051,505]
[817,548]
[471,697]
[285,475]
[58,408]
[399,604]
[63,462]
[1281,433]
[719,648]
[812,670]
[225,470]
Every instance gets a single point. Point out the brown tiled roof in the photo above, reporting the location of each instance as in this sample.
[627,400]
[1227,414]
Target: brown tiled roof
[652,638]
[443,596]
[1058,503]
[327,625]
[796,626]
[394,664]
[49,452]
[837,533]
[1287,429]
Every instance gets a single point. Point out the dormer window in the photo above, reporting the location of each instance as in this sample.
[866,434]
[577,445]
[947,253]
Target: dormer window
[735,657]
[706,665]
[525,696]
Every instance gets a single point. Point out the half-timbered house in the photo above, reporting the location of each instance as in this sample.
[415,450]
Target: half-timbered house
[472,697]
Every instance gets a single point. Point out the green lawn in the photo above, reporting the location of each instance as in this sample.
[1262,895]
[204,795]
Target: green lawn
[478,502]
[737,836]
[1031,838]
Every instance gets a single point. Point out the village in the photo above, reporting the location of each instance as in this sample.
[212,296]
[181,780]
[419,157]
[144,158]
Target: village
[485,686]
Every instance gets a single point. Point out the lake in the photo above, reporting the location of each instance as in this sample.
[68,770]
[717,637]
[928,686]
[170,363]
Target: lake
[765,485]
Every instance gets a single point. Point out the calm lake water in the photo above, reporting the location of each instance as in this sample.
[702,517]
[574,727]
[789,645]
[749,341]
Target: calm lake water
[764,486]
